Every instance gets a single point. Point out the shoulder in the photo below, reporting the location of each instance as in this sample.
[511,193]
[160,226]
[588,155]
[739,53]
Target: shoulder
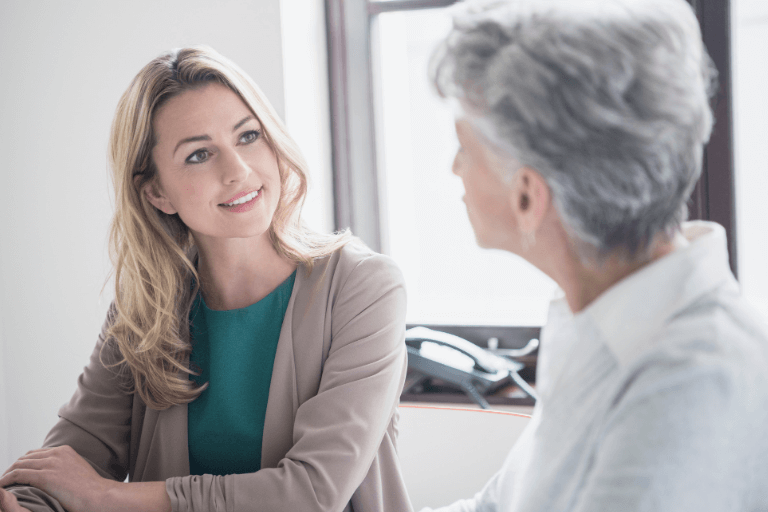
[719,331]
[345,283]
[714,349]
[352,265]
[358,262]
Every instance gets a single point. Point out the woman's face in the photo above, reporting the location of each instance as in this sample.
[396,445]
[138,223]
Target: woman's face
[215,168]
[487,197]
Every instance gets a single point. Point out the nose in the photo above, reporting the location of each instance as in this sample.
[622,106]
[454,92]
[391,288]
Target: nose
[233,168]
[457,163]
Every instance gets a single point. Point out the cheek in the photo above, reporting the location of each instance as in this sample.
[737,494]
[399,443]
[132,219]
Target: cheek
[186,194]
[473,187]
[192,191]
[194,185]
[276,194]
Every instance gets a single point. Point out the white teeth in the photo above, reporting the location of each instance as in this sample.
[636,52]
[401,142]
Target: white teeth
[243,199]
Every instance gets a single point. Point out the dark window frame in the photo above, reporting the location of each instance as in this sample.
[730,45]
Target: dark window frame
[356,194]
[714,197]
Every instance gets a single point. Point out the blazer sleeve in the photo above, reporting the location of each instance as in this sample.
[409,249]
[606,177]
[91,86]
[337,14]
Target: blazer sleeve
[95,422]
[338,431]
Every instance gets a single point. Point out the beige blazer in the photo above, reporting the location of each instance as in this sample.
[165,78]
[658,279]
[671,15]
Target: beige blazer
[331,422]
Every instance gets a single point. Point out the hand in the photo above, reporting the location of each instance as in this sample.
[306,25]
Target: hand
[63,474]
[8,502]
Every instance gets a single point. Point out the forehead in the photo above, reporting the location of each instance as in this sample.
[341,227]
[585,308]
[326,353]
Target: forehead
[198,111]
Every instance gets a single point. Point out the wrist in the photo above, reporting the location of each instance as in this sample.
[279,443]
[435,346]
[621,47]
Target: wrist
[130,497]
[108,498]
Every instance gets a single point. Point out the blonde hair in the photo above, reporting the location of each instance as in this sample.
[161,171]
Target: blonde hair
[153,253]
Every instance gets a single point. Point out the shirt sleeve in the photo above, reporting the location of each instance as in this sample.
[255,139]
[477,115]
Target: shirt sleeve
[674,444]
[338,431]
[95,422]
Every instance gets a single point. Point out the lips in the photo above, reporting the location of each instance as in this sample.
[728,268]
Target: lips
[242,197]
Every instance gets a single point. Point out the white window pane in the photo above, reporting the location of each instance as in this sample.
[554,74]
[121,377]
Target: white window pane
[750,80]
[450,279]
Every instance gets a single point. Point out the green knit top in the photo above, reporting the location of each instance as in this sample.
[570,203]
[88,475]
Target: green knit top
[235,351]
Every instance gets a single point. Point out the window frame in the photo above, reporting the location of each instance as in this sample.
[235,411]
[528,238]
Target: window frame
[353,128]
[714,196]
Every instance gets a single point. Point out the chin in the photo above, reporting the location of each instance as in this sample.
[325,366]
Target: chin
[482,242]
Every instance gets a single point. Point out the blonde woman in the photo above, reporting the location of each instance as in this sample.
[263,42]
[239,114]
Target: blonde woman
[246,364]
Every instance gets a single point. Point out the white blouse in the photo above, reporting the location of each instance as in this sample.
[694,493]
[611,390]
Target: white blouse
[653,398]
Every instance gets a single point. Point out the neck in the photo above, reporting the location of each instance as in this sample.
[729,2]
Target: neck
[583,284]
[237,272]
[557,257]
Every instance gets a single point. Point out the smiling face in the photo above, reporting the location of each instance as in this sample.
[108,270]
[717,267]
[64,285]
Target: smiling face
[214,166]
[488,198]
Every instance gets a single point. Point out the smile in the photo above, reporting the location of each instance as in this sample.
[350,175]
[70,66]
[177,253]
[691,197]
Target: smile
[243,199]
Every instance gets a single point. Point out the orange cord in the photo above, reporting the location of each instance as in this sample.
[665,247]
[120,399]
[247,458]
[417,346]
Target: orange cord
[505,413]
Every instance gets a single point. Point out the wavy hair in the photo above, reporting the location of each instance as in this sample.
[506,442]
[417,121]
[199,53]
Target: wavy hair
[154,253]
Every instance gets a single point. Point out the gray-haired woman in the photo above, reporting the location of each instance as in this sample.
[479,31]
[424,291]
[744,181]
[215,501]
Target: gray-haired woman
[582,126]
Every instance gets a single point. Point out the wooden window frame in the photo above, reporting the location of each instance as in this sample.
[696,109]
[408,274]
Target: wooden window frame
[714,196]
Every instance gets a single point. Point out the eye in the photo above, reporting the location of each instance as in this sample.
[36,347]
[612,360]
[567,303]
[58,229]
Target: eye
[198,157]
[250,136]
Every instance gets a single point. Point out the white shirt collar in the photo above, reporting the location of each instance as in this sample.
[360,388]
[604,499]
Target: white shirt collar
[631,311]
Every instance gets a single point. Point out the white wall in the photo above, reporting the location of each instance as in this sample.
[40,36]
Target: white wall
[750,79]
[64,66]
[3,411]
[473,446]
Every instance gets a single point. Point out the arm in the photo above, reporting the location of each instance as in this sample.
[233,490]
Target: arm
[678,449]
[95,423]
[336,433]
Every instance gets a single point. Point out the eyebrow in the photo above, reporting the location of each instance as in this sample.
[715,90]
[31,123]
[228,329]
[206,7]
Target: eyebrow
[198,138]
[242,122]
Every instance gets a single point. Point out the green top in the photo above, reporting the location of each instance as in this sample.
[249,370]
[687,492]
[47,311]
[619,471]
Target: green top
[235,351]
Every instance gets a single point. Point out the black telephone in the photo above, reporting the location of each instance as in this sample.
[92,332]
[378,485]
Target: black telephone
[462,363]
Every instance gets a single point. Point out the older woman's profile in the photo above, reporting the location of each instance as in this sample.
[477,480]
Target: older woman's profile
[582,126]
[247,363]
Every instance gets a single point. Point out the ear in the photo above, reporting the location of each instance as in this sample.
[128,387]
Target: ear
[155,195]
[530,200]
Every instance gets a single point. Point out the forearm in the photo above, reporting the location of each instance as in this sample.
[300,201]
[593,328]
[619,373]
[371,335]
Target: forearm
[144,496]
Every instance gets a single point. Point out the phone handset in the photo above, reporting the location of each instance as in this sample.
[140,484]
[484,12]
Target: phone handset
[483,360]
[460,362]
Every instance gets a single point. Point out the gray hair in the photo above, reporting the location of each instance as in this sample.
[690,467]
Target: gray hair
[607,99]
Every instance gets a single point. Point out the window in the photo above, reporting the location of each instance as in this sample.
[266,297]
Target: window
[393,147]
[423,223]
[750,78]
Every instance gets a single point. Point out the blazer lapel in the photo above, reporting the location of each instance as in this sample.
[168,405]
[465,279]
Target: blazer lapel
[159,453]
[283,400]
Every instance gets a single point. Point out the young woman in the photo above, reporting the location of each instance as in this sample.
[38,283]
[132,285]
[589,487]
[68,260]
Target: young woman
[246,364]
